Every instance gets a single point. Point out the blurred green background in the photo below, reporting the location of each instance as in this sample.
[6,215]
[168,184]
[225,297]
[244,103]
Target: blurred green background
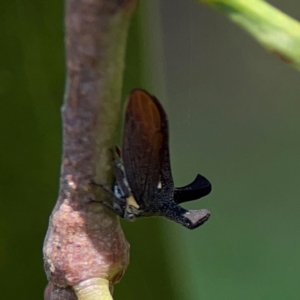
[234,115]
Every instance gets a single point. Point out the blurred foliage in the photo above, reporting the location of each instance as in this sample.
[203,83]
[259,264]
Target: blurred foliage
[234,117]
[31,87]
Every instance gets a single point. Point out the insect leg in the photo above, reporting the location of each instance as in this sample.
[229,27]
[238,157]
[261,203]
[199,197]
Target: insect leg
[118,204]
[188,218]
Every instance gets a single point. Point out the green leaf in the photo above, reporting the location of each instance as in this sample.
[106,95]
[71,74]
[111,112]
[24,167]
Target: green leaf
[276,31]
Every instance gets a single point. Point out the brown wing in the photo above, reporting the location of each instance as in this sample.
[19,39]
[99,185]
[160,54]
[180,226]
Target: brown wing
[144,137]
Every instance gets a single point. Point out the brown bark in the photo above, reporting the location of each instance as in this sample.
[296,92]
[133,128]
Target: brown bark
[84,241]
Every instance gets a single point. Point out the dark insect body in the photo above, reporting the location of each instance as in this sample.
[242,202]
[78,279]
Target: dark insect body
[144,184]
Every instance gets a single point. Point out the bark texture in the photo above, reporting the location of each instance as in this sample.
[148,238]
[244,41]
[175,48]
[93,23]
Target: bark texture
[84,242]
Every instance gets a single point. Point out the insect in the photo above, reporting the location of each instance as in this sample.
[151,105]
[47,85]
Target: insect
[144,184]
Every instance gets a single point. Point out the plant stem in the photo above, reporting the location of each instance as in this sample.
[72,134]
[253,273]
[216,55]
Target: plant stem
[276,31]
[85,242]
